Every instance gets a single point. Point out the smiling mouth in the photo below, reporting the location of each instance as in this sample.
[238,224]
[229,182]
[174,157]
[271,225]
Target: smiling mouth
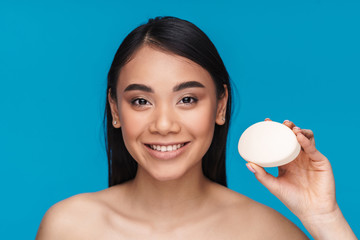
[166,148]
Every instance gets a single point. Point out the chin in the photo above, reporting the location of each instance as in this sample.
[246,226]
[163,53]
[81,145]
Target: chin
[165,177]
[169,173]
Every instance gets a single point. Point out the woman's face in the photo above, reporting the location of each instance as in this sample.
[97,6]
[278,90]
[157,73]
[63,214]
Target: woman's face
[167,109]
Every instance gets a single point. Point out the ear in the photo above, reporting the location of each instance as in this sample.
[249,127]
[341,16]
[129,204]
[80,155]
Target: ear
[114,111]
[221,107]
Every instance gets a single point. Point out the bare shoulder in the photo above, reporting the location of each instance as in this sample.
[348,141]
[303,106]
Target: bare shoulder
[253,220]
[72,218]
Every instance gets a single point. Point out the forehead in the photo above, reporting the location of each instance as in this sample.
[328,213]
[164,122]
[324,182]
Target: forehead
[160,69]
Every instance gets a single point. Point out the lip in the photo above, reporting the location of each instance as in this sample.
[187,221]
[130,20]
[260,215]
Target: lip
[166,155]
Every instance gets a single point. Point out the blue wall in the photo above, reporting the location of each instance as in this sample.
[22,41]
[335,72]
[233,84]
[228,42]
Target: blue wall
[296,60]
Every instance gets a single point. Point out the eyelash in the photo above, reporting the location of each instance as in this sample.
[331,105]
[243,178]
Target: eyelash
[136,102]
[193,99]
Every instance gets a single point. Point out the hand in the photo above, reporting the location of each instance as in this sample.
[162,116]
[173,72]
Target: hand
[306,185]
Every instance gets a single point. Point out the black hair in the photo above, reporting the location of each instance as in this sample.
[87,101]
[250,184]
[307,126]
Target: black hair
[182,38]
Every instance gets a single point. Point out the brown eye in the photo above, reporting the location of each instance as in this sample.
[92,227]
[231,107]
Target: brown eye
[188,100]
[140,102]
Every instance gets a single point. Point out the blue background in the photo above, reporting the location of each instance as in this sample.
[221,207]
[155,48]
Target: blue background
[296,60]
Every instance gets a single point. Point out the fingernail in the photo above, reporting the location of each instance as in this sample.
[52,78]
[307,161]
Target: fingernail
[250,168]
[297,128]
[286,121]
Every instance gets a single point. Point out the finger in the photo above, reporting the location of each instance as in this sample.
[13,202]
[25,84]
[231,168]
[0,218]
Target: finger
[307,133]
[292,126]
[268,119]
[309,147]
[296,130]
[289,124]
[265,178]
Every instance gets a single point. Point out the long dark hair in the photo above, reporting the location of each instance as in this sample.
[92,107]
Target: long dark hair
[184,39]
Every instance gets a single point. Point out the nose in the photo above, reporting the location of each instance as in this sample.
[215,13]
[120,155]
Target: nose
[164,121]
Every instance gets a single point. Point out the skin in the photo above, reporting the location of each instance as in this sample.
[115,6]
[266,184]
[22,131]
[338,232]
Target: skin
[170,198]
[307,187]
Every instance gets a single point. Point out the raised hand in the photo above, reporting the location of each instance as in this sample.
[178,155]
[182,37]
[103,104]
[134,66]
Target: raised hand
[306,185]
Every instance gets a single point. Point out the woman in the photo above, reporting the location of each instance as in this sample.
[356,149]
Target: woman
[168,111]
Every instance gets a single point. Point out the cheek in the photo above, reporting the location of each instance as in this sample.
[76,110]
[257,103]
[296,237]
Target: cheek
[200,121]
[132,123]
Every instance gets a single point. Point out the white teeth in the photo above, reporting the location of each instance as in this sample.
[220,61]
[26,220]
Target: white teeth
[168,148]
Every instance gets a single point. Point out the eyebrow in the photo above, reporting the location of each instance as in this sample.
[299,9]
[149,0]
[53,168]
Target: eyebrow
[179,87]
[140,87]
[190,84]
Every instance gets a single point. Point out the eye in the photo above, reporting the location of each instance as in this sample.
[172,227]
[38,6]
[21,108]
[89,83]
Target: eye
[188,100]
[140,102]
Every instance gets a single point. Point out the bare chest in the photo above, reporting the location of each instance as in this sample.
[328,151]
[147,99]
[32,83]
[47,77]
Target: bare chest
[213,227]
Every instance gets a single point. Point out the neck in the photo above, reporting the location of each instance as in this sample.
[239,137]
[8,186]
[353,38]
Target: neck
[168,199]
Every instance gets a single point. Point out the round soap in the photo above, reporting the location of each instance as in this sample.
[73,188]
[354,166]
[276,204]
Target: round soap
[269,144]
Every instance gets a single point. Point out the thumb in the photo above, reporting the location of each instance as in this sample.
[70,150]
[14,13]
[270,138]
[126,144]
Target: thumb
[265,178]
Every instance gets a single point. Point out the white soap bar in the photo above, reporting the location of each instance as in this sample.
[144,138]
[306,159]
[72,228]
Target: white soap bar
[269,144]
